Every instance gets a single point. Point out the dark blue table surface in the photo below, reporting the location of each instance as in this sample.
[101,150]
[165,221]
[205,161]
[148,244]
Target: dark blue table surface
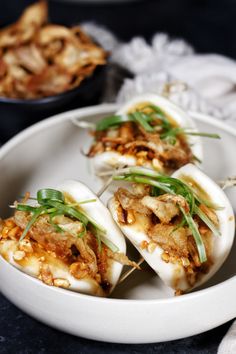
[23,335]
[209,26]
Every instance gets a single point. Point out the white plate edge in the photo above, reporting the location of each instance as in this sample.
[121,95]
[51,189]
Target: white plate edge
[106,108]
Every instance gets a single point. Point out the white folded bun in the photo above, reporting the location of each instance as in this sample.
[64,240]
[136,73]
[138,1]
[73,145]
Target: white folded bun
[33,262]
[112,159]
[173,274]
[97,210]
[32,265]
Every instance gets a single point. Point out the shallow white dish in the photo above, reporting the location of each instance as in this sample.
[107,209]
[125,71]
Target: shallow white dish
[142,309]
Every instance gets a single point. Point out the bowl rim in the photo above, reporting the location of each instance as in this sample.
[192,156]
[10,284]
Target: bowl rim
[48,99]
[77,295]
[106,108]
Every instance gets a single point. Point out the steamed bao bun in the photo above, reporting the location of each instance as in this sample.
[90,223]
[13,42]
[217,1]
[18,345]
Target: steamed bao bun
[108,160]
[60,271]
[173,274]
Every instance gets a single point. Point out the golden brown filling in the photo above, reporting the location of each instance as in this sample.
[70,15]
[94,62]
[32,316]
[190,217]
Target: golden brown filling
[149,148]
[160,218]
[38,59]
[82,256]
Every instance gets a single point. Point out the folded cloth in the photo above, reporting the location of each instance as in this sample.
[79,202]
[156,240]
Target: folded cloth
[210,78]
[228,344]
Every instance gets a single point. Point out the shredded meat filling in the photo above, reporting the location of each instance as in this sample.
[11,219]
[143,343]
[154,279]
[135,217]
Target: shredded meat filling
[44,233]
[165,211]
[170,239]
[131,201]
[82,255]
[132,139]
[164,228]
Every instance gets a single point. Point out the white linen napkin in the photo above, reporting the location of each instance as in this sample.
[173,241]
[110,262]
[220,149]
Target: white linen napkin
[228,343]
[210,78]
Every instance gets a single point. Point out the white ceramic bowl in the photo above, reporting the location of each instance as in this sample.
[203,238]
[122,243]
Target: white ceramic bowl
[142,309]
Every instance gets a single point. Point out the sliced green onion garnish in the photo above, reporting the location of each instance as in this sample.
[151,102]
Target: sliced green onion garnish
[24,207]
[207,221]
[36,214]
[168,184]
[142,119]
[186,131]
[143,180]
[43,195]
[52,202]
[83,232]
[180,224]
[143,171]
[69,211]
[108,122]
[109,244]
[99,241]
[206,135]
[136,117]
[168,131]
[159,114]
[51,216]
[196,235]
[172,132]
[170,140]
[83,202]
[206,202]
[197,159]
[95,224]
[157,110]
[174,186]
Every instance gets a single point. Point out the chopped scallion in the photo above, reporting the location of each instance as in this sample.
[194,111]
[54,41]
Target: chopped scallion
[168,131]
[174,186]
[52,202]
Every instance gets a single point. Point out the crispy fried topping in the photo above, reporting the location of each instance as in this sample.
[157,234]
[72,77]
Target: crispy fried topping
[131,201]
[81,255]
[165,228]
[40,60]
[170,239]
[150,150]
[123,259]
[165,211]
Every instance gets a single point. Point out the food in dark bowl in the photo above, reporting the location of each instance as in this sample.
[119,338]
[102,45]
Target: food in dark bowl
[45,69]
[38,59]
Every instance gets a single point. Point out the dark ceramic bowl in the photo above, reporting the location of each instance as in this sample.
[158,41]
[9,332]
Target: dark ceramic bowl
[17,114]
